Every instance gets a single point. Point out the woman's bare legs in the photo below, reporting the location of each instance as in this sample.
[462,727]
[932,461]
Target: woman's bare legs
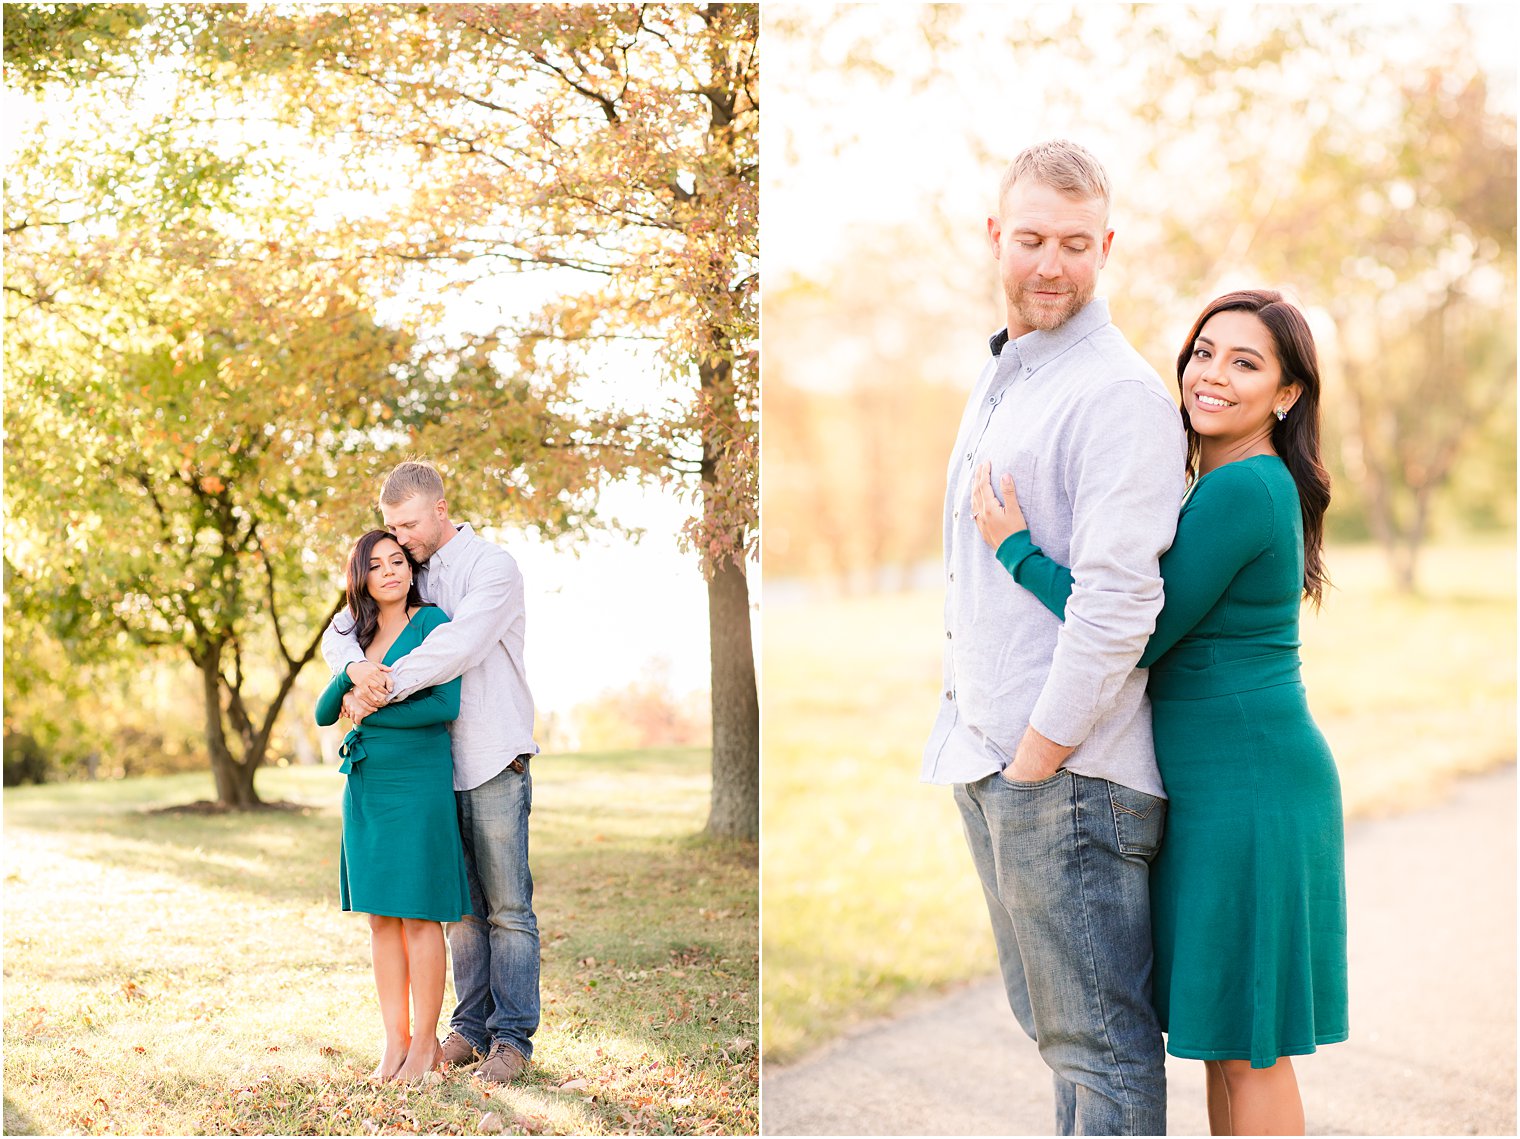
[387,945]
[1218,1099]
[426,956]
[1257,1101]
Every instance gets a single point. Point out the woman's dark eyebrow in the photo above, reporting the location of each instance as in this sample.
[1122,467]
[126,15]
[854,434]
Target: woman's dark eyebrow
[1247,351]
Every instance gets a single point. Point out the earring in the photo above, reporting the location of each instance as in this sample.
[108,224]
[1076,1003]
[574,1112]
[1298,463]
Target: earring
[1282,413]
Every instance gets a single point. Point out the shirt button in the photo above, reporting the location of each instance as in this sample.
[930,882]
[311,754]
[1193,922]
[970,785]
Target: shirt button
[947,634]
[968,456]
[952,577]
[992,399]
[957,514]
[949,695]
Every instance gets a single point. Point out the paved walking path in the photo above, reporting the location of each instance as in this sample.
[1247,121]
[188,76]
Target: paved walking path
[1432,1048]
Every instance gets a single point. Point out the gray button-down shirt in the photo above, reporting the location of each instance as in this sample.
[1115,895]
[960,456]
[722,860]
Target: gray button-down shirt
[1096,450]
[478,585]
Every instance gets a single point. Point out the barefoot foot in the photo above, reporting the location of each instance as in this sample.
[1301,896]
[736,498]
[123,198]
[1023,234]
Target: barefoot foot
[424,1056]
[391,1060]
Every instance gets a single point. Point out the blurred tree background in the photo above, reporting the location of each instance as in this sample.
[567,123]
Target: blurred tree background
[248,250]
[1360,159]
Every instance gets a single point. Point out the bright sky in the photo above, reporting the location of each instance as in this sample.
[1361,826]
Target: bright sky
[599,620]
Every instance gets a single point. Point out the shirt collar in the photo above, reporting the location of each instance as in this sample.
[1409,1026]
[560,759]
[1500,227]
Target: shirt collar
[1039,346]
[449,553]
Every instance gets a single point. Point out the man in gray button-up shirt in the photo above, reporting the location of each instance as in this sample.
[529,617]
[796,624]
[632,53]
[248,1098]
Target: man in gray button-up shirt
[1043,727]
[478,586]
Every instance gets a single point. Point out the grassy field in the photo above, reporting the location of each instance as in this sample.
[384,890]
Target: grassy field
[182,974]
[869,892]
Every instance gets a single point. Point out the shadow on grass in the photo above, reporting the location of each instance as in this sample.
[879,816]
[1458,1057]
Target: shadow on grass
[292,857]
[277,855]
[289,853]
[17,1122]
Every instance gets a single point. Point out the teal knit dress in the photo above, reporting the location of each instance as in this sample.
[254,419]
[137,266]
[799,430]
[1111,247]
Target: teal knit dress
[401,854]
[1248,896]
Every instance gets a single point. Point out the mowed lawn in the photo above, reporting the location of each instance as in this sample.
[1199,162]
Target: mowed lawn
[184,974]
[869,892]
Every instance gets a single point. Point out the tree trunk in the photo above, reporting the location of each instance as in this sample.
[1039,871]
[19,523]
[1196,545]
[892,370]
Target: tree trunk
[735,708]
[735,812]
[234,780]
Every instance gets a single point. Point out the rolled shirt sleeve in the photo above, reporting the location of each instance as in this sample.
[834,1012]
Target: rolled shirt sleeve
[341,649]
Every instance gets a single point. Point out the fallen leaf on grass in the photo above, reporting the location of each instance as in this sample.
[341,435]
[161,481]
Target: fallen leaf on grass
[133,991]
[573,1085]
[739,1046]
[490,1124]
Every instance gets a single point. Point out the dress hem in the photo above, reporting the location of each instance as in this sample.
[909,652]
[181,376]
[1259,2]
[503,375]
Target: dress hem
[1185,1053]
[412,916]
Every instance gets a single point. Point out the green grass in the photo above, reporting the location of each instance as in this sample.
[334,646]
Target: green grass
[869,892]
[183,974]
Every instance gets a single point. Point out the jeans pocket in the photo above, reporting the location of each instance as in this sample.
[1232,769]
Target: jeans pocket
[1030,785]
[1139,820]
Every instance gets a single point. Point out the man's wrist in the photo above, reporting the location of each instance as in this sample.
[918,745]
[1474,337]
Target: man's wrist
[1039,749]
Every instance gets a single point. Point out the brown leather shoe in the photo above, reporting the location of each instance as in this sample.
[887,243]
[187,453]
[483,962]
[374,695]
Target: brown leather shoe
[457,1051]
[503,1065]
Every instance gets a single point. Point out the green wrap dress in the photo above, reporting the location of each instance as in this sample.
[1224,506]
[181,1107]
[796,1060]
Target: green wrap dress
[401,854]
[1248,896]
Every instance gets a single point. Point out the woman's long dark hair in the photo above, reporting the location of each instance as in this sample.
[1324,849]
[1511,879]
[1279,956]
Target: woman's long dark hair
[1296,438]
[362,608]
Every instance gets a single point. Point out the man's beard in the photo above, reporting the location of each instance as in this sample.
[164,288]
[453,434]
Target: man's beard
[1045,315]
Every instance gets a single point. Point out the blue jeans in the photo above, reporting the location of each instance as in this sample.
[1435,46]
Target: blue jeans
[495,949]
[1065,865]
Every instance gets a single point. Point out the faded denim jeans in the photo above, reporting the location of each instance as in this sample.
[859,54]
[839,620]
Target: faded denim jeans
[495,949]
[1065,865]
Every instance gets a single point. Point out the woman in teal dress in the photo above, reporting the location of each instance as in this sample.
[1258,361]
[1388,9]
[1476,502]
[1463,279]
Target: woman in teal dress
[401,860]
[1248,891]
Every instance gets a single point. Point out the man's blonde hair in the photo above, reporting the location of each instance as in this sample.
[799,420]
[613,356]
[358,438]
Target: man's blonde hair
[1062,165]
[409,478]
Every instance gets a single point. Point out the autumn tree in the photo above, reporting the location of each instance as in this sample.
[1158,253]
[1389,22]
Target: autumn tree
[611,148]
[200,395]
[174,470]
[616,147]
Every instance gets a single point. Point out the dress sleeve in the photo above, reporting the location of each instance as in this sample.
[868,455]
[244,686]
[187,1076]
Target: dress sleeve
[436,704]
[330,703]
[1046,578]
[1227,523]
